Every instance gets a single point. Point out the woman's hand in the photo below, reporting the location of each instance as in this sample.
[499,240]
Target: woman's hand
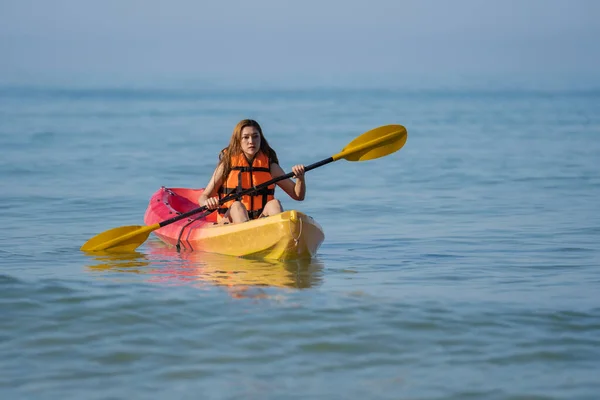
[298,171]
[211,203]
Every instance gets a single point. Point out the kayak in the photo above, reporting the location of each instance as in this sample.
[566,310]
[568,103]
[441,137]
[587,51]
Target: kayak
[289,235]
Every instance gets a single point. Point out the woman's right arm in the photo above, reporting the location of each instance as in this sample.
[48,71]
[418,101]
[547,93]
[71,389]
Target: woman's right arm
[209,197]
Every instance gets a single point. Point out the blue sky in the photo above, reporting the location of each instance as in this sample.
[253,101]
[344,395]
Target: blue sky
[309,40]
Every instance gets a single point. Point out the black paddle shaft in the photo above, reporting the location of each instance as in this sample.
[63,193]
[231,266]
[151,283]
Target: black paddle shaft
[251,190]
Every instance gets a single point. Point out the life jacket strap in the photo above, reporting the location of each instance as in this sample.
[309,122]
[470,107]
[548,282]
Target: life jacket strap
[251,169]
[264,191]
[255,214]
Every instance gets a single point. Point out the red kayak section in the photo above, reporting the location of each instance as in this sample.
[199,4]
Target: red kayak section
[166,203]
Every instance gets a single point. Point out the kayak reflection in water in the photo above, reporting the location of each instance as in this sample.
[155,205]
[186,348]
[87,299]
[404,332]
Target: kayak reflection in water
[239,277]
[249,161]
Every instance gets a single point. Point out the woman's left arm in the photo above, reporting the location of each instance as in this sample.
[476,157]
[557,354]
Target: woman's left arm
[296,190]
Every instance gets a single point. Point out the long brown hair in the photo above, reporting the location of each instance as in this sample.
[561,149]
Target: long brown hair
[235,146]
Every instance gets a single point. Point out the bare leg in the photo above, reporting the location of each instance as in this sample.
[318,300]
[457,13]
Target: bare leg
[238,213]
[272,207]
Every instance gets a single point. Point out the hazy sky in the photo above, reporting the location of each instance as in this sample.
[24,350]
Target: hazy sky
[307,39]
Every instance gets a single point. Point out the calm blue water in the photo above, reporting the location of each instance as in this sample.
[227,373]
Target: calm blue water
[465,266]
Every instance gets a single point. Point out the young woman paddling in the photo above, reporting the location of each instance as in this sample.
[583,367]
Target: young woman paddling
[249,161]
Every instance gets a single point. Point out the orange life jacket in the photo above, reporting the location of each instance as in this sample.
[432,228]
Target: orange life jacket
[244,175]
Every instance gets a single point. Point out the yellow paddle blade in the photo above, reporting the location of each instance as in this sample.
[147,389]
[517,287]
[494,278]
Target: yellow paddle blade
[122,239]
[378,142]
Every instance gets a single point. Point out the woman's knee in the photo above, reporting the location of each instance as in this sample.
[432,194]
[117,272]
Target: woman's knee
[273,207]
[237,206]
[238,212]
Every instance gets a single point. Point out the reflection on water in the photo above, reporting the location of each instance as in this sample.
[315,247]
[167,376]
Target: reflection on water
[164,264]
[130,262]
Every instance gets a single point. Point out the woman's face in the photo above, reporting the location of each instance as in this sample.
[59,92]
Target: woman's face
[250,141]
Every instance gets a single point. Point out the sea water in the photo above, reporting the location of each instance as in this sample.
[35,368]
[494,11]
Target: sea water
[466,265]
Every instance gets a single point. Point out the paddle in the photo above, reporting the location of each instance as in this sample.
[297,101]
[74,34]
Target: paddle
[376,143]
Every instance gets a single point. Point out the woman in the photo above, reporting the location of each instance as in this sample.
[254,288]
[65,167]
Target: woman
[249,161]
